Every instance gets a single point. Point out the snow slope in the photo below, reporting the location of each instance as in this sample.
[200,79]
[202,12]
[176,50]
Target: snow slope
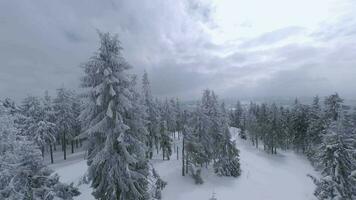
[264,177]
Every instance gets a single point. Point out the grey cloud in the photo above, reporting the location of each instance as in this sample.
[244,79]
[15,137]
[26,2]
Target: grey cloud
[272,37]
[43,43]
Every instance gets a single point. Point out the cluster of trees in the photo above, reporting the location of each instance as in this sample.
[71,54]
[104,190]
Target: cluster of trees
[51,122]
[23,175]
[324,132]
[164,120]
[125,127]
[207,139]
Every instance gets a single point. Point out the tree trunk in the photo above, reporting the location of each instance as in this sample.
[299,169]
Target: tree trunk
[177,153]
[76,144]
[72,143]
[64,146]
[51,151]
[42,151]
[183,170]
[163,154]
[186,163]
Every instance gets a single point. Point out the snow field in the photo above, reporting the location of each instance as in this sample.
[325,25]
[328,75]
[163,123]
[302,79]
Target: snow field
[264,177]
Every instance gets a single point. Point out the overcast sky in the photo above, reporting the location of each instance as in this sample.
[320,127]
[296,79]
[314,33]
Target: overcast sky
[240,48]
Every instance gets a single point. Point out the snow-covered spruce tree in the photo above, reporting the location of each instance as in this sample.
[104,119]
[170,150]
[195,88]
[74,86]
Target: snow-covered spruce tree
[208,139]
[76,125]
[174,113]
[333,106]
[117,165]
[65,117]
[169,115]
[34,123]
[210,128]
[243,134]
[22,172]
[316,129]
[264,126]
[43,134]
[300,125]
[194,154]
[284,138]
[31,114]
[227,162]
[135,119]
[153,116]
[49,116]
[251,123]
[166,141]
[337,166]
[236,116]
[274,129]
[179,117]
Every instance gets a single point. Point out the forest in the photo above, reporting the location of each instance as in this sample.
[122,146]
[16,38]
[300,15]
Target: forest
[122,126]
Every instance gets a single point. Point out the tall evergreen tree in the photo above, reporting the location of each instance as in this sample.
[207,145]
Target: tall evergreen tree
[117,167]
[337,166]
[65,118]
[333,106]
[23,174]
[236,116]
[153,116]
[166,141]
[227,162]
[300,126]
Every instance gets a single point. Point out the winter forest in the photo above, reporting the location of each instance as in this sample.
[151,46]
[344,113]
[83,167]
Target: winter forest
[114,137]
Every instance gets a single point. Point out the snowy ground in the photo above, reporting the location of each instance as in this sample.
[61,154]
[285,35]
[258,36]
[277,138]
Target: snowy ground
[264,177]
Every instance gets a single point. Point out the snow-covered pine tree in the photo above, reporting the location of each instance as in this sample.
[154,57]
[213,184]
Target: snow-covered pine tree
[166,141]
[169,115]
[251,123]
[193,135]
[316,129]
[174,113]
[31,112]
[236,116]
[300,122]
[65,117]
[337,166]
[153,116]
[76,125]
[43,134]
[263,123]
[179,117]
[22,172]
[274,129]
[227,161]
[35,126]
[210,129]
[284,120]
[117,167]
[333,106]
[135,119]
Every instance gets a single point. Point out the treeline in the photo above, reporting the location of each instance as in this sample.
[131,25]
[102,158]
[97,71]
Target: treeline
[24,132]
[50,121]
[324,131]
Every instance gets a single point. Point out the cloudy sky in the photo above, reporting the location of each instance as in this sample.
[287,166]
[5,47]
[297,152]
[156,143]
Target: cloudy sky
[240,48]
